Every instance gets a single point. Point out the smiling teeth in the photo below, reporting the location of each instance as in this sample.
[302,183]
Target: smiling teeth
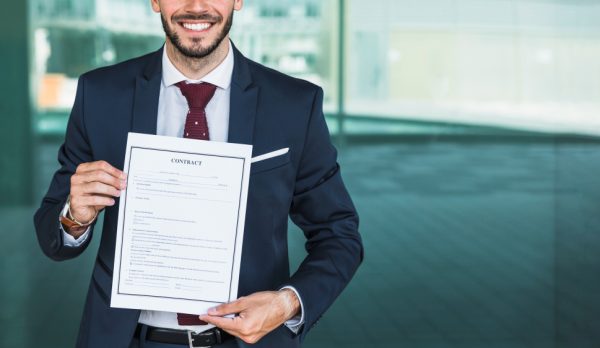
[196,26]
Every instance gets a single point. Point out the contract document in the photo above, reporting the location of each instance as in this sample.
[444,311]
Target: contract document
[181,224]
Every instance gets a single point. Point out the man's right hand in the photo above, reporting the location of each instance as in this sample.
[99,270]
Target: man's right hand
[93,187]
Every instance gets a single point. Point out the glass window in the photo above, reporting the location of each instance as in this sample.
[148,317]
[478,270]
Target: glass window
[298,38]
[516,64]
[71,37]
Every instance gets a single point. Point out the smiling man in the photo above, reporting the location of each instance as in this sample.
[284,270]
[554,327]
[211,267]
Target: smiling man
[200,86]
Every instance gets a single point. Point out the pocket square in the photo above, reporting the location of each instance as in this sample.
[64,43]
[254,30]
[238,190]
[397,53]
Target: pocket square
[270,155]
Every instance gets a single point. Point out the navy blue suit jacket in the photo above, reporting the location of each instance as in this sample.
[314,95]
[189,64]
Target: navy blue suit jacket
[268,110]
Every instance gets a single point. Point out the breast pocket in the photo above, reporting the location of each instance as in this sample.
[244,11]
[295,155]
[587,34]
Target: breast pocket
[270,163]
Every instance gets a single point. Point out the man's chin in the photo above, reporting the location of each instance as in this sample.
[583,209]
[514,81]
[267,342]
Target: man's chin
[195,52]
[197,49]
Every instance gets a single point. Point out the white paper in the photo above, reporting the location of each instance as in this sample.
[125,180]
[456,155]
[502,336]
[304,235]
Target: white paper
[181,224]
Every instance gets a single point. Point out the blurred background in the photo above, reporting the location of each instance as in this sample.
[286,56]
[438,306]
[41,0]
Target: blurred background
[468,134]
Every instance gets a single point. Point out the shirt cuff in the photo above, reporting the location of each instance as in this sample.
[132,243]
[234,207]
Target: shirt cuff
[69,240]
[296,322]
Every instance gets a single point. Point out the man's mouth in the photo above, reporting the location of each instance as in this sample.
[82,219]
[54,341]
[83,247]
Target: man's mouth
[196,26]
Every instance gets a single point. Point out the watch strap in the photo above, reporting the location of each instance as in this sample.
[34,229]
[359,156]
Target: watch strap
[67,219]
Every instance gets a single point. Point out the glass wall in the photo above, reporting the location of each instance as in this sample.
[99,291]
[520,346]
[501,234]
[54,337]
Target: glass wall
[512,64]
[518,64]
[298,38]
[71,37]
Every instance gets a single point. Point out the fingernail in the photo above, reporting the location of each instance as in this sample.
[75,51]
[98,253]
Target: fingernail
[212,311]
[112,202]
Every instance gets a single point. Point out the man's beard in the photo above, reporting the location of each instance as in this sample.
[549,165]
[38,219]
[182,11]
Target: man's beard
[196,50]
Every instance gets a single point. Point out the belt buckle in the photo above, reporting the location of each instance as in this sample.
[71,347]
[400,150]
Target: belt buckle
[191,341]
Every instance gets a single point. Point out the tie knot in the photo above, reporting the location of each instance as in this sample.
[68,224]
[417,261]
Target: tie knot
[197,94]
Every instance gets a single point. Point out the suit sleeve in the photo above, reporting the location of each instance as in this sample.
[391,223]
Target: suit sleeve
[322,208]
[73,151]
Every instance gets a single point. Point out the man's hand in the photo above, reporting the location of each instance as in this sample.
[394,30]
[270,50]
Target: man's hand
[257,314]
[93,187]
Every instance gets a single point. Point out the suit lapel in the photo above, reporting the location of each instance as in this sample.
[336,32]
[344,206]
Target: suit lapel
[147,93]
[243,102]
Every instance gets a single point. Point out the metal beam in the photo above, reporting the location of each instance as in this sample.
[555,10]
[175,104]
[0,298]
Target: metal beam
[341,80]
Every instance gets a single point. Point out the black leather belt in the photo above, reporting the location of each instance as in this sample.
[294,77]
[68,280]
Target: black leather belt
[207,338]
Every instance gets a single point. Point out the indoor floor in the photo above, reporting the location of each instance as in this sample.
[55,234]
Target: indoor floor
[468,243]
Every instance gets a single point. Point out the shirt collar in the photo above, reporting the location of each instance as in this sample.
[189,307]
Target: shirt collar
[219,76]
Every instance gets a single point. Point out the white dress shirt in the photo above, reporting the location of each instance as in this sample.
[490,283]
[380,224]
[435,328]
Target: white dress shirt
[172,112]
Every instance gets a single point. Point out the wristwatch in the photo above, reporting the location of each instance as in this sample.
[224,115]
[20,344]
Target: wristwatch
[72,224]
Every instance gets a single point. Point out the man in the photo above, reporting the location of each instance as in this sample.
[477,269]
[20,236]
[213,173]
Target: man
[247,103]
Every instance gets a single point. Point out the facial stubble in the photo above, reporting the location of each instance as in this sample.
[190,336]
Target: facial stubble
[196,50]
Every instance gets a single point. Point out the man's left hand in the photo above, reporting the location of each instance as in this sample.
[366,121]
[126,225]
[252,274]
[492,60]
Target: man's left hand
[256,314]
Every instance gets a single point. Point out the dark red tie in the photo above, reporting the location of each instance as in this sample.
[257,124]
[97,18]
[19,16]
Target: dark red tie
[197,95]
[196,127]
